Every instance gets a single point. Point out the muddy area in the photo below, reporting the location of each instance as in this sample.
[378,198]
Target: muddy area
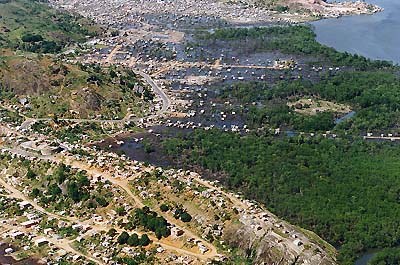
[144,146]
[5,259]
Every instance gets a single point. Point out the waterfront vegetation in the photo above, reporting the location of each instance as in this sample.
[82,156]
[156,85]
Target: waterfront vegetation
[345,191]
[374,95]
[295,40]
[386,257]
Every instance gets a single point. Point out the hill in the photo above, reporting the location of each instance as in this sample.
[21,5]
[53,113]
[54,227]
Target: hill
[50,86]
[39,86]
[34,26]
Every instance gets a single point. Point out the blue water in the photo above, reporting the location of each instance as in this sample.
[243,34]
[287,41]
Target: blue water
[345,117]
[374,36]
[364,259]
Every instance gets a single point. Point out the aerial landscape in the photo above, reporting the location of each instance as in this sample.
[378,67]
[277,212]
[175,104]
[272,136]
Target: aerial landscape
[199,132]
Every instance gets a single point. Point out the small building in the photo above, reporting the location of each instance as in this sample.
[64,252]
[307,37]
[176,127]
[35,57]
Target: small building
[77,227]
[76,257]
[176,232]
[41,242]
[16,234]
[203,249]
[30,223]
[48,231]
[8,251]
[23,204]
[160,249]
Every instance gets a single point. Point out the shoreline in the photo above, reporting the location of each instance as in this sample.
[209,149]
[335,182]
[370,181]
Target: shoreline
[324,10]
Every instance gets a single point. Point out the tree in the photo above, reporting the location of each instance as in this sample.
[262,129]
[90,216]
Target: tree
[54,190]
[30,174]
[123,238]
[31,38]
[83,180]
[185,217]
[113,74]
[120,210]
[60,173]
[73,192]
[144,240]
[129,226]
[101,201]
[35,192]
[133,240]
[164,208]
[112,232]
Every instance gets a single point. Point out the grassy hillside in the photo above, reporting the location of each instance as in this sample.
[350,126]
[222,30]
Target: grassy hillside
[52,87]
[34,26]
[42,86]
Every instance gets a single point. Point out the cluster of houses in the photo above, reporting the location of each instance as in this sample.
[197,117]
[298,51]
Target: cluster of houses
[181,13]
[29,236]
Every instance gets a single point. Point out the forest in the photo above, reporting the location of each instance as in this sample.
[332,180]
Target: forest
[386,256]
[347,191]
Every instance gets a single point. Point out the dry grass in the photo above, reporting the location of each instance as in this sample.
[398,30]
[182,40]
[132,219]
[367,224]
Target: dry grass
[313,106]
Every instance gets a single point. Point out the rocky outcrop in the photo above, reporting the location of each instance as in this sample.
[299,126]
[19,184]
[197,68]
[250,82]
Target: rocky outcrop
[265,239]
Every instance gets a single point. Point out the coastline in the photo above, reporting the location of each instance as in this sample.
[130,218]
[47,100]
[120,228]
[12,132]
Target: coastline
[323,10]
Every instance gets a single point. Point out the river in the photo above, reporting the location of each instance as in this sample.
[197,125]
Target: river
[374,36]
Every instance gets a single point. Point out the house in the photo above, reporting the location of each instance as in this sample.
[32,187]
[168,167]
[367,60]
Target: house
[16,234]
[203,249]
[41,242]
[23,204]
[48,231]
[76,257]
[77,227]
[30,223]
[8,251]
[160,249]
[176,232]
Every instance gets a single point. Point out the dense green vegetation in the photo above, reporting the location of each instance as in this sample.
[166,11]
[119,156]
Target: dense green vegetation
[133,240]
[374,95]
[346,191]
[389,256]
[182,214]
[151,221]
[35,27]
[291,40]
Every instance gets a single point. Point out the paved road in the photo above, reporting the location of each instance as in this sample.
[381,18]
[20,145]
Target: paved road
[166,101]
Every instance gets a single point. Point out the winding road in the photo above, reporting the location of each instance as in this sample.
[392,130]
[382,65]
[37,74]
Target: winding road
[117,181]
